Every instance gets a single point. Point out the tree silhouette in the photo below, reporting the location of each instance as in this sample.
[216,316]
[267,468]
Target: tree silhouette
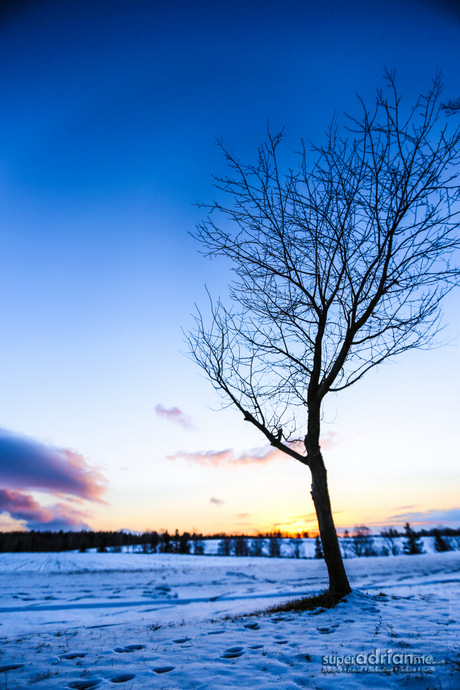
[413,544]
[318,548]
[338,266]
[451,107]
[440,544]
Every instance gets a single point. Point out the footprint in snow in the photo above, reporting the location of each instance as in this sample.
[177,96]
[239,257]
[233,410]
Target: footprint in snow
[256,646]
[163,669]
[84,684]
[129,648]
[252,626]
[324,631]
[72,655]
[122,678]
[215,632]
[182,640]
[233,653]
[10,667]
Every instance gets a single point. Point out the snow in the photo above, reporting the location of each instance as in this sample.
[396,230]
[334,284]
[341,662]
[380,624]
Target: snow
[176,621]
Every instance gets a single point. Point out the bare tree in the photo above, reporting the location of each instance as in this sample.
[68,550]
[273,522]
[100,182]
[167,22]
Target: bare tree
[338,266]
[451,107]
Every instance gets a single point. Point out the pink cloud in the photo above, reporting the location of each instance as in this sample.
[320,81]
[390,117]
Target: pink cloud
[255,456]
[328,440]
[29,464]
[176,416]
[228,457]
[23,507]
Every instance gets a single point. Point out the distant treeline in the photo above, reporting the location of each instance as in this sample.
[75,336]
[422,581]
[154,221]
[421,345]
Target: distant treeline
[149,542]
[359,542]
[82,541]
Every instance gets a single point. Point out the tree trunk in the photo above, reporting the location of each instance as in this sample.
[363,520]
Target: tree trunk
[338,581]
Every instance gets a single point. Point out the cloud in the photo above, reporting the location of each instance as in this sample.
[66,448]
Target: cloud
[28,464]
[216,501]
[305,518]
[328,440]
[255,456]
[243,515]
[429,517]
[176,416]
[215,458]
[25,508]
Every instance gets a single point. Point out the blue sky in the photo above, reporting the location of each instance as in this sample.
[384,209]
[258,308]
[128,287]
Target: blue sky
[110,112]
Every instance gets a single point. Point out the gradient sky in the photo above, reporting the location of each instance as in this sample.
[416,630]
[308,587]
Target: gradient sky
[108,120]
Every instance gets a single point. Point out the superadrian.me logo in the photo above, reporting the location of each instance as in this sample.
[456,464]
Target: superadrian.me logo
[387,661]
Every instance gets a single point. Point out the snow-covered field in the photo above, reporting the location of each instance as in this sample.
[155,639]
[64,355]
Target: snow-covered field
[83,620]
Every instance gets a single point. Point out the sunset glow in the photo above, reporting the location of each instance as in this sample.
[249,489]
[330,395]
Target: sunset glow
[108,130]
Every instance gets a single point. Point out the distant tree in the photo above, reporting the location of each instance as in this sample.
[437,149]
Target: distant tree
[363,542]
[226,547]
[166,544]
[391,537]
[412,545]
[176,541]
[318,548]
[346,544]
[257,547]
[274,545]
[440,544]
[296,544]
[338,267]
[103,542]
[184,543]
[154,539]
[241,546]
[198,544]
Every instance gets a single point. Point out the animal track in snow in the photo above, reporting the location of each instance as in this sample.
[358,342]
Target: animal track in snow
[164,669]
[215,632]
[129,648]
[10,667]
[122,678]
[233,653]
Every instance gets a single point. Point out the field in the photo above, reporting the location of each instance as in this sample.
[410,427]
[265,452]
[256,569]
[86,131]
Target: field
[83,620]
